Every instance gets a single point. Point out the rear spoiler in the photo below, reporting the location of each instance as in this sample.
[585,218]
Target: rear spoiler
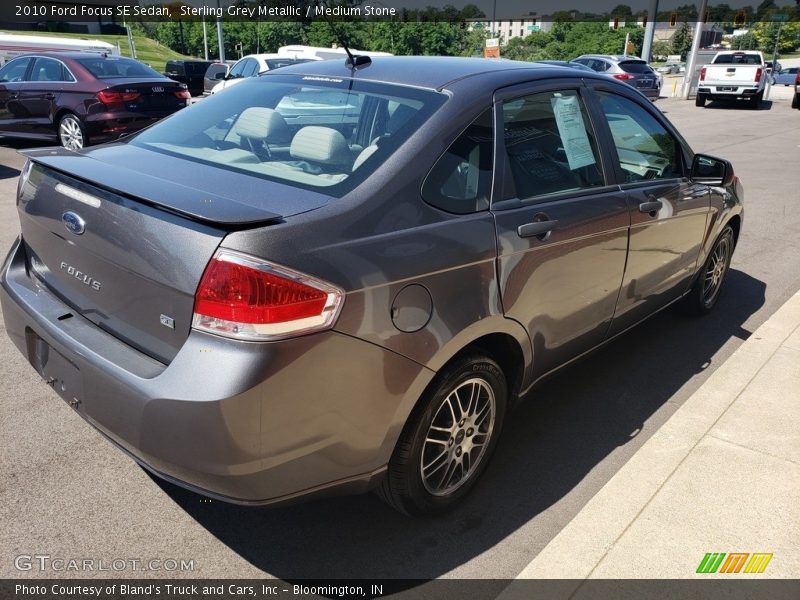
[197,204]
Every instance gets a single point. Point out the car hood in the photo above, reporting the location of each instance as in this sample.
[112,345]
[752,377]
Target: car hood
[202,192]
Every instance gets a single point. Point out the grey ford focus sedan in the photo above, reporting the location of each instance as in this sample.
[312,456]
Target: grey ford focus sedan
[335,279]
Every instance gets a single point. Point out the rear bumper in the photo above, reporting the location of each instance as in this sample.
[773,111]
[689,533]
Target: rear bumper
[107,126]
[243,422]
[722,92]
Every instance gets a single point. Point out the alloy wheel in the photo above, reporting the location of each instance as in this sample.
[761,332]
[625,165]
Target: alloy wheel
[458,436]
[715,270]
[70,133]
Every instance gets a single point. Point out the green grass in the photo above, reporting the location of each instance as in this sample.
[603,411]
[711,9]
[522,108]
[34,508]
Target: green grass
[148,51]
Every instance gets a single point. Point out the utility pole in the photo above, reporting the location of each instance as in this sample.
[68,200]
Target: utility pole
[627,40]
[692,60]
[205,33]
[220,39]
[650,30]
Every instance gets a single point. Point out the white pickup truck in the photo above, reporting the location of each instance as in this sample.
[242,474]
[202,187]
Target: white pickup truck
[733,75]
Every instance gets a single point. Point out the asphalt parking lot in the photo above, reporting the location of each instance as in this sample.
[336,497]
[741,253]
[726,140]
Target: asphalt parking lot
[67,493]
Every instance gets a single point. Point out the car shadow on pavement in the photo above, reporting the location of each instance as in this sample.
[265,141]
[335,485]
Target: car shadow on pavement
[8,172]
[554,441]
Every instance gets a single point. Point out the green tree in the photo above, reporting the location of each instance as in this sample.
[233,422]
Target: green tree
[661,49]
[682,40]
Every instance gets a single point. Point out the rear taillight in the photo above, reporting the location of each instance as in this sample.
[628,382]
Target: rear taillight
[622,76]
[184,94]
[758,74]
[242,297]
[797,79]
[703,74]
[108,97]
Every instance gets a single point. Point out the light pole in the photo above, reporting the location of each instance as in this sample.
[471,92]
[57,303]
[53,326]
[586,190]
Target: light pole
[650,30]
[205,33]
[219,35]
[692,60]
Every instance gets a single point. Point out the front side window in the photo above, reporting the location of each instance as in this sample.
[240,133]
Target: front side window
[14,71]
[309,132]
[646,150]
[550,145]
[461,180]
[250,67]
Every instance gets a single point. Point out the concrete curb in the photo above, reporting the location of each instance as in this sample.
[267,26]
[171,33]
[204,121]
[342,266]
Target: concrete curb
[583,544]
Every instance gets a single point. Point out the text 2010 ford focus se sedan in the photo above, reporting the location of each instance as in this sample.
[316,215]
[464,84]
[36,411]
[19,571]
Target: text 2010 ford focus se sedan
[340,279]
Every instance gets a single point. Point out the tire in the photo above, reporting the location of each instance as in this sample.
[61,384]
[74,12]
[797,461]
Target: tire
[755,101]
[700,100]
[71,132]
[706,290]
[428,473]
[796,101]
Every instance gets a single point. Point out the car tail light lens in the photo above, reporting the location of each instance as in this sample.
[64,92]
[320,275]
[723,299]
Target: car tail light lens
[108,97]
[183,94]
[797,79]
[242,297]
[703,74]
[758,74]
[622,76]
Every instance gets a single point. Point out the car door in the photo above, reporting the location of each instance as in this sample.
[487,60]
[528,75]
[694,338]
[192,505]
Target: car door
[562,224]
[39,94]
[12,77]
[668,211]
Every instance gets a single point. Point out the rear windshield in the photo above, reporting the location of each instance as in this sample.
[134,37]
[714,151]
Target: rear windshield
[738,59]
[111,67]
[306,131]
[635,66]
[277,63]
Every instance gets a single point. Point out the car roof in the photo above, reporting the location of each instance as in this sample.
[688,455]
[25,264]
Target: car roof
[76,55]
[615,57]
[432,72]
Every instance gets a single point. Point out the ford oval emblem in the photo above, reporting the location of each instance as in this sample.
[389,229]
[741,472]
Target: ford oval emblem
[73,222]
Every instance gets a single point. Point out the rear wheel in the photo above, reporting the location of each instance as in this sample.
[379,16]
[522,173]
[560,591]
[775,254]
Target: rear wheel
[796,101]
[705,292]
[71,132]
[755,101]
[700,100]
[446,445]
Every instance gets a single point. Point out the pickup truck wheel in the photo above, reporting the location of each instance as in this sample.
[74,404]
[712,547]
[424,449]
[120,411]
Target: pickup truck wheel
[755,101]
[700,100]
[447,442]
[796,101]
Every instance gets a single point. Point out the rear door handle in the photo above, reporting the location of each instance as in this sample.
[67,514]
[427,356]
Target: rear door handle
[650,207]
[536,229]
[49,96]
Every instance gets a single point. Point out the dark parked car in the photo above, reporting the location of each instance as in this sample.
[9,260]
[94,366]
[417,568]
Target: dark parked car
[332,280]
[82,98]
[190,72]
[796,97]
[630,69]
[214,74]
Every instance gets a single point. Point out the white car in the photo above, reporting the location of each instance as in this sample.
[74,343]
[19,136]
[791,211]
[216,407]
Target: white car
[255,64]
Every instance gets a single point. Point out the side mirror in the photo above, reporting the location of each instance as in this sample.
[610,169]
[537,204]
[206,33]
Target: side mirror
[711,170]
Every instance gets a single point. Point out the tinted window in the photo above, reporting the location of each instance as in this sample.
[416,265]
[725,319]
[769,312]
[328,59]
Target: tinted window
[112,67]
[646,150]
[550,144]
[175,68]
[738,59]
[309,134]
[195,68]
[461,179]
[15,70]
[236,70]
[599,65]
[250,67]
[47,69]
[277,63]
[633,66]
[214,69]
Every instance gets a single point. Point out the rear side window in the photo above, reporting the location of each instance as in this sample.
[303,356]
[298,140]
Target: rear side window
[461,180]
[47,69]
[175,67]
[635,66]
[646,150]
[550,145]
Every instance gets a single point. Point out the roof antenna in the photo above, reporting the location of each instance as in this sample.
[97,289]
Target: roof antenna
[353,61]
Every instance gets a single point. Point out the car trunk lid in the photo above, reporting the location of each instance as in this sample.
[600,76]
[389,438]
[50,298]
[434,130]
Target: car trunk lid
[130,262]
